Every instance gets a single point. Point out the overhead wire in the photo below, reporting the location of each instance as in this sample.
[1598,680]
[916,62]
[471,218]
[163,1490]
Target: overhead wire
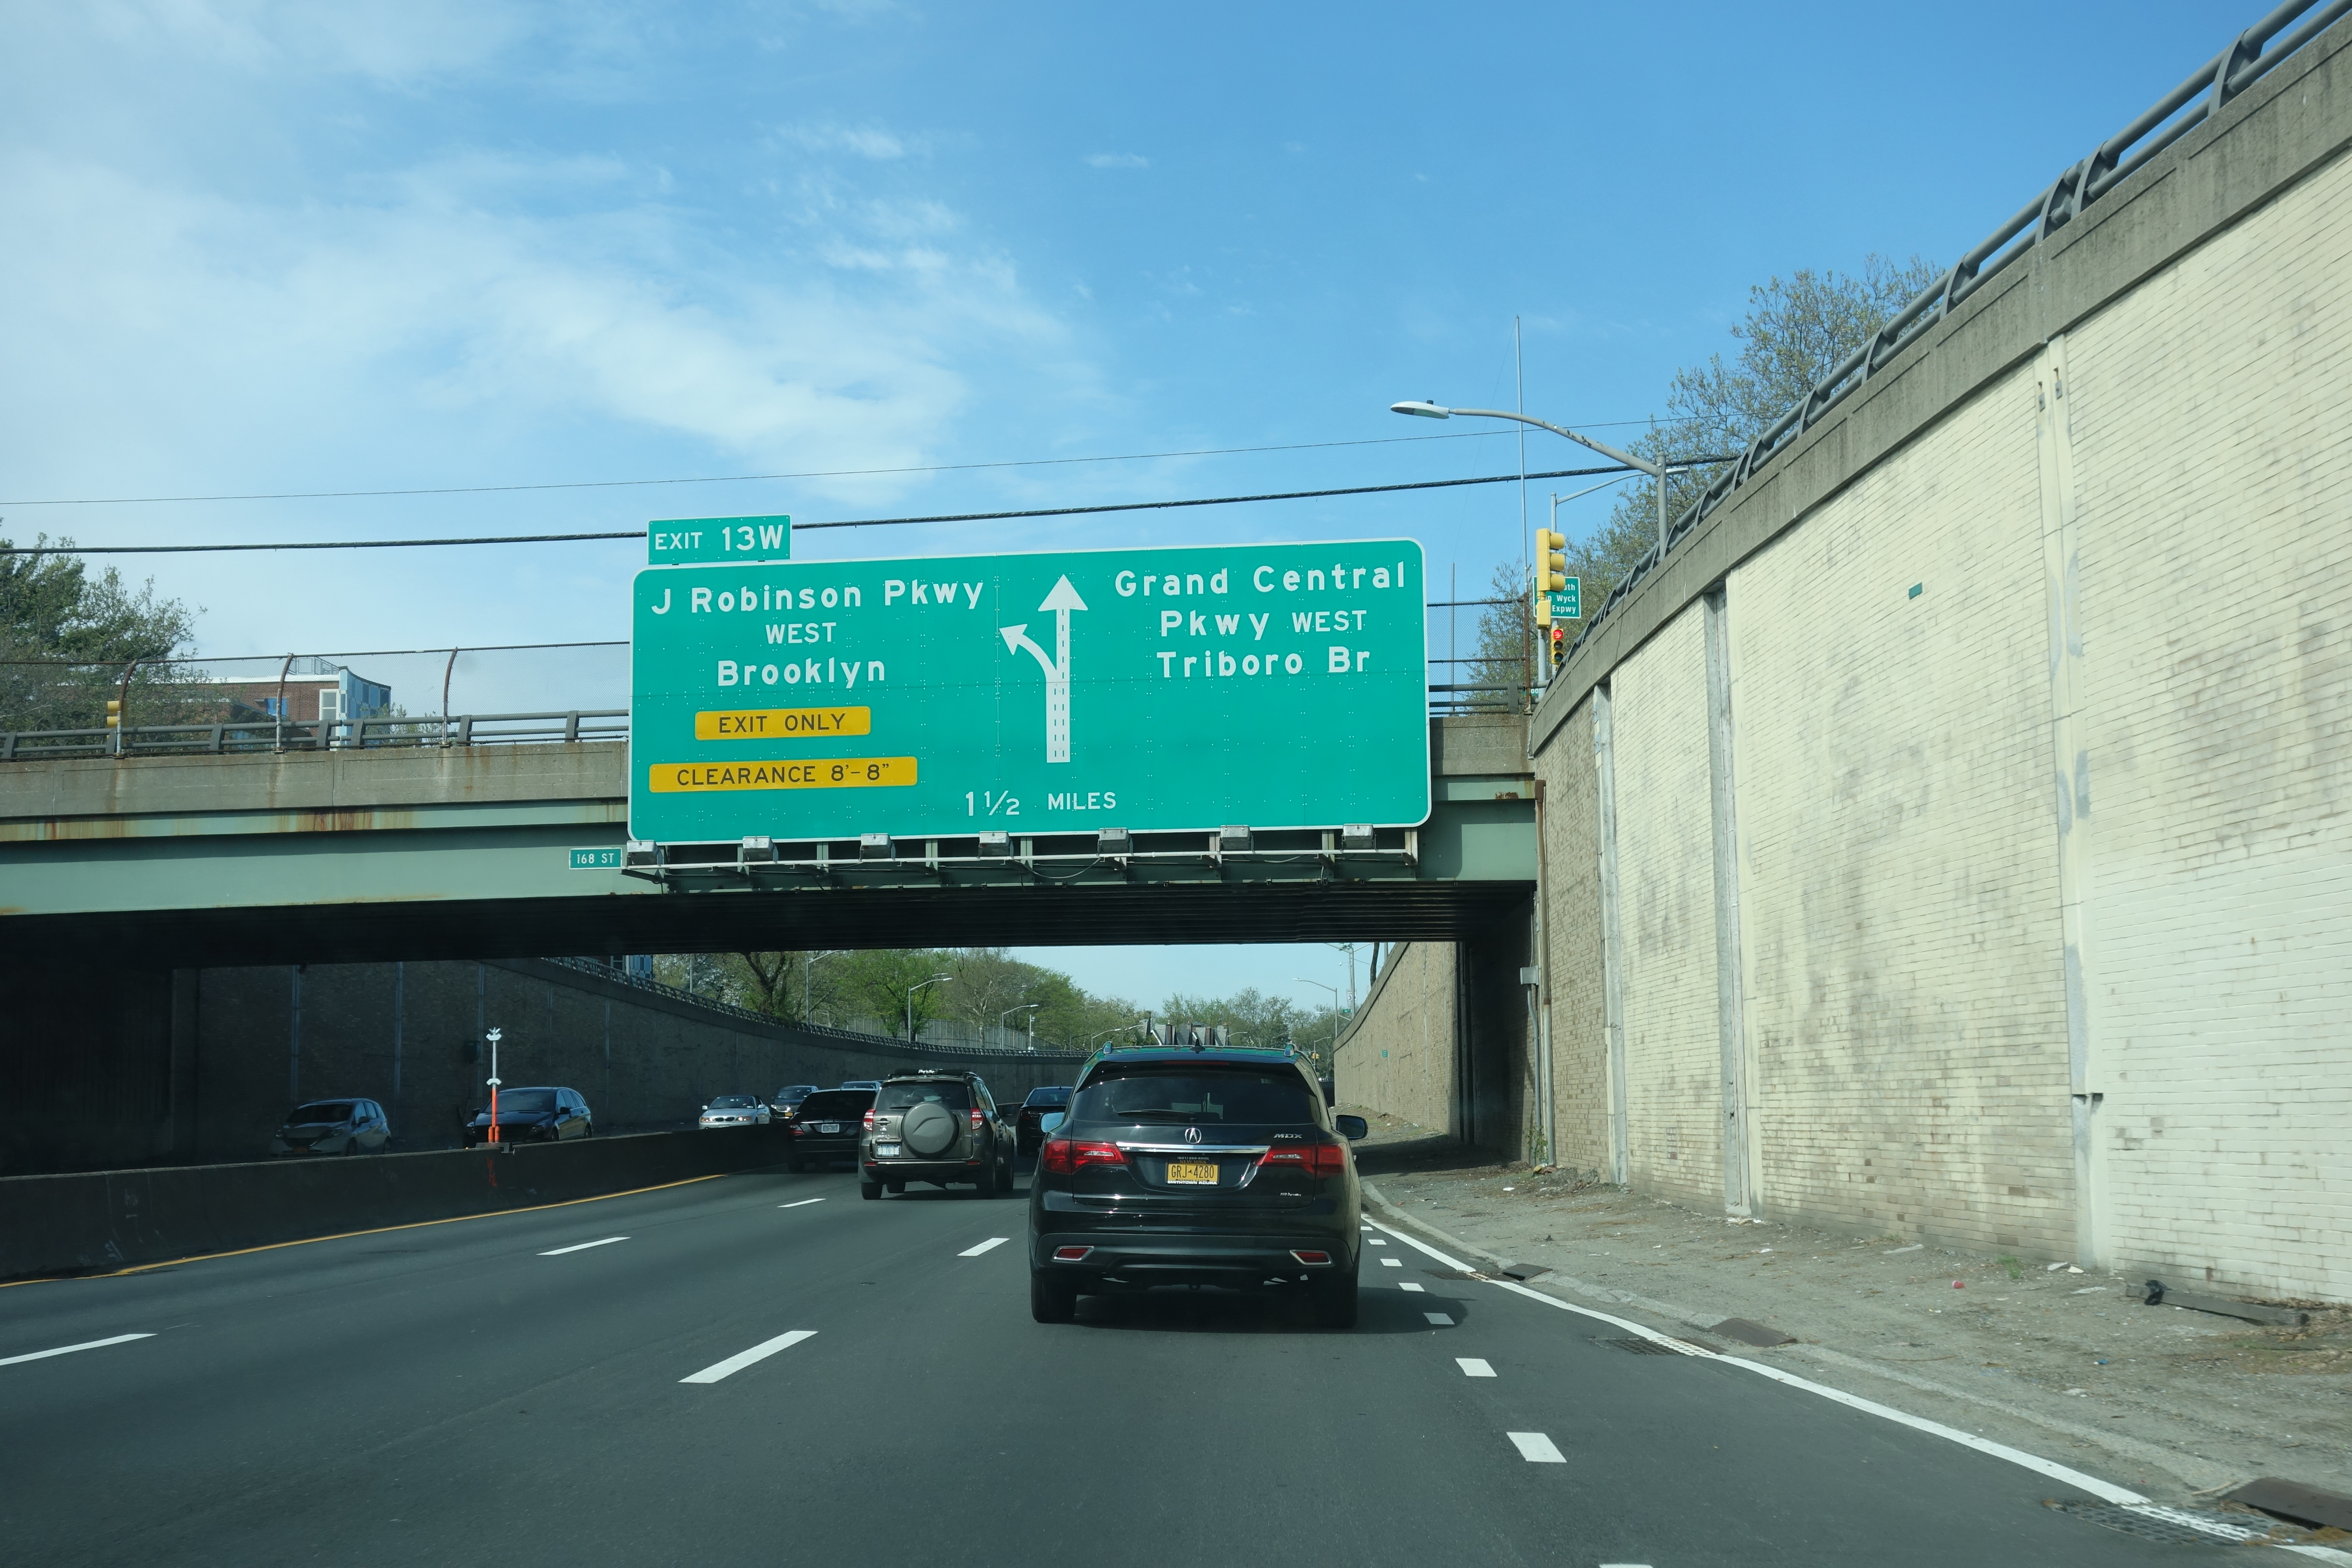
[46,549]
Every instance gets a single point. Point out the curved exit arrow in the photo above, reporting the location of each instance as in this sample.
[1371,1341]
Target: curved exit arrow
[1061,601]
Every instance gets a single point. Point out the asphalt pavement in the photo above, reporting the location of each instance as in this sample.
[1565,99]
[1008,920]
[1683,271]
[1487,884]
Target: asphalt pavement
[765,1368]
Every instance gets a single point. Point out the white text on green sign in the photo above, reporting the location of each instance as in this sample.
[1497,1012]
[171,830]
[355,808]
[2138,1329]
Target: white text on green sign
[604,860]
[713,540]
[1282,686]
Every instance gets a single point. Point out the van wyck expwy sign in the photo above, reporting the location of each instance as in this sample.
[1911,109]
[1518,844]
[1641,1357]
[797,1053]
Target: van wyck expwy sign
[1281,686]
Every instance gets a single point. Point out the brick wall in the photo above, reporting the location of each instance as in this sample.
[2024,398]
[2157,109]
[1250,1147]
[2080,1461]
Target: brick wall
[1397,1057]
[1666,916]
[2209,412]
[1571,849]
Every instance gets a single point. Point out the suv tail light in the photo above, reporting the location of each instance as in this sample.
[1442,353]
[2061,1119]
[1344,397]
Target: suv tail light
[869,1121]
[1064,1155]
[977,1116]
[1315,1159]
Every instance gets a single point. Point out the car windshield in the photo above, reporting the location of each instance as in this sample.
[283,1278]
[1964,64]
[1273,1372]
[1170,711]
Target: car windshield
[836,1103]
[325,1110]
[526,1101]
[735,1102]
[905,1095]
[1194,1093]
[1048,1096]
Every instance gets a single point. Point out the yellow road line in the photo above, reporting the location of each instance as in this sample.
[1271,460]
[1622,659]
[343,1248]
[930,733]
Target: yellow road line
[346,1234]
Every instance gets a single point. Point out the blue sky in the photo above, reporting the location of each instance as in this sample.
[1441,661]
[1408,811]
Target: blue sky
[259,247]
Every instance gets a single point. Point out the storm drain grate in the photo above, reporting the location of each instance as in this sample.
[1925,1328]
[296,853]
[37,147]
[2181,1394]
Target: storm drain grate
[2195,1526]
[1633,1345]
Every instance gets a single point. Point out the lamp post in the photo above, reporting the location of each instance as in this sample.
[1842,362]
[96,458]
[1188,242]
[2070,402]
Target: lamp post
[1656,471]
[808,986]
[1028,1007]
[1116,1029]
[1335,1014]
[934,980]
[493,1038]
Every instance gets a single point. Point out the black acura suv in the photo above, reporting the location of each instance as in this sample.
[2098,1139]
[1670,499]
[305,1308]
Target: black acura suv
[1195,1166]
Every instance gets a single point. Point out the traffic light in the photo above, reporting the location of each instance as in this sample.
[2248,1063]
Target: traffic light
[1543,609]
[1558,646]
[1552,561]
[114,714]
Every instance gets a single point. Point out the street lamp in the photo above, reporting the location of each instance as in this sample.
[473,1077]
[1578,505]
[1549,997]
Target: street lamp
[1334,1015]
[1116,1029]
[1029,1007]
[1656,471]
[934,980]
[808,985]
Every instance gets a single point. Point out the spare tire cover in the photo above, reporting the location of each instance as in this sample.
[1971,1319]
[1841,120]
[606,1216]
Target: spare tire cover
[928,1127]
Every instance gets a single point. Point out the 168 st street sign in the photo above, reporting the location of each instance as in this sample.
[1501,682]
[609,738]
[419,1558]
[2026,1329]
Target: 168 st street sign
[1275,685]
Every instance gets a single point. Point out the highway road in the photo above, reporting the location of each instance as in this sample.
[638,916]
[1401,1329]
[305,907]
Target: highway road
[763,1367]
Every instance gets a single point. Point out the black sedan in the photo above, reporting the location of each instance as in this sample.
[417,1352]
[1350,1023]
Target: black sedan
[1191,1167]
[1026,1133]
[537,1115]
[825,1127]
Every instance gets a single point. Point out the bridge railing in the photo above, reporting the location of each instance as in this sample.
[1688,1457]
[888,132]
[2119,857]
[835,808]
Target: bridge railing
[320,734]
[857,1039]
[2251,56]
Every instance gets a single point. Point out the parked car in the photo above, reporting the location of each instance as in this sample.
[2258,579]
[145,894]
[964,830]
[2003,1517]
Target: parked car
[736,1110]
[937,1126]
[826,1127]
[332,1127]
[790,1095]
[863,1083]
[1026,1133]
[1221,1167]
[540,1114]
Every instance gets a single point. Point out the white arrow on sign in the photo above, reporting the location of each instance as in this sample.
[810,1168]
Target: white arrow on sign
[1061,601]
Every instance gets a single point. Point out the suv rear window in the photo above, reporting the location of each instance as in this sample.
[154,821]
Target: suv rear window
[1193,1093]
[1048,1096]
[905,1095]
[832,1104]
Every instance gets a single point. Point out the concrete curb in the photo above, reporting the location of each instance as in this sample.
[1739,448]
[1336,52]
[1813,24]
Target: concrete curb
[94,1221]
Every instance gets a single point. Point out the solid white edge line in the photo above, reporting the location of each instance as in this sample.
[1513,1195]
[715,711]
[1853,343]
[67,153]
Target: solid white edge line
[1535,1449]
[983,1247]
[802,1204]
[2106,1491]
[581,1246]
[741,1359]
[68,1349]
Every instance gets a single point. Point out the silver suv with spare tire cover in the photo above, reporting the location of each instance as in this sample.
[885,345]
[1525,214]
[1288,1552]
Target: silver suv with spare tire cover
[938,1127]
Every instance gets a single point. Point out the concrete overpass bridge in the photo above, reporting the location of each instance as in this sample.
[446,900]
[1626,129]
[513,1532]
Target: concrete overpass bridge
[205,855]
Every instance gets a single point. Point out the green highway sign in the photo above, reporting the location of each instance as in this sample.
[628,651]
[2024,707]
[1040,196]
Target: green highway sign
[605,859]
[706,540]
[1568,603]
[1152,689]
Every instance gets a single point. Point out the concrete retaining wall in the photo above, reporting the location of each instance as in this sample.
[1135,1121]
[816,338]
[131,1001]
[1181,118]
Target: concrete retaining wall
[1397,1055]
[103,1220]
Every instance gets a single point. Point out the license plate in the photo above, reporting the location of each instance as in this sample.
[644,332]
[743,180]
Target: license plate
[885,1150]
[1200,1172]
[829,1126]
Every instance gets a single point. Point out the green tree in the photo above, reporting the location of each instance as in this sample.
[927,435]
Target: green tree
[887,983]
[1797,330]
[1258,1020]
[52,608]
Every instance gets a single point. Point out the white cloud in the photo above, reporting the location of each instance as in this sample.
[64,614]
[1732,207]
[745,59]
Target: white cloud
[881,146]
[1118,160]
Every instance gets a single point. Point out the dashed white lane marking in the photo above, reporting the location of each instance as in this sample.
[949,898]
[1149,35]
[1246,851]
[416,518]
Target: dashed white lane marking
[2106,1491]
[1408,1285]
[760,1352]
[1473,1367]
[1378,1242]
[1440,1319]
[68,1349]
[1535,1449]
[802,1204]
[1392,1263]
[983,1247]
[581,1247]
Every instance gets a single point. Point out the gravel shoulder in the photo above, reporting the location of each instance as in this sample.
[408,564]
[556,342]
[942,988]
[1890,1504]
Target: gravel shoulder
[2176,1404]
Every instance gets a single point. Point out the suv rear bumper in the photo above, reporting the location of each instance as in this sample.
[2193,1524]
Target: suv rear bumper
[1140,1260]
[922,1169]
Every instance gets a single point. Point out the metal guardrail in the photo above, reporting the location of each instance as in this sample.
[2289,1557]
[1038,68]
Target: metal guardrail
[2250,56]
[853,1038]
[319,734]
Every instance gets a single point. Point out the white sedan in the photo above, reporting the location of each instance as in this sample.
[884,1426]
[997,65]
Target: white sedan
[736,1110]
